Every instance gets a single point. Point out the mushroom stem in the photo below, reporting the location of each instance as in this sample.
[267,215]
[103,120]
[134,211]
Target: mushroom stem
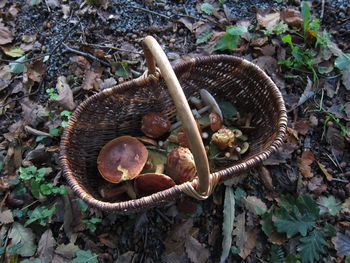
[159,169]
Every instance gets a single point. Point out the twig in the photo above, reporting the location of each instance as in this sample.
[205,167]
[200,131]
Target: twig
[85,55]
[164,216]
[151,12]
[36,132]
[322,9]
[340,180]
[114,48]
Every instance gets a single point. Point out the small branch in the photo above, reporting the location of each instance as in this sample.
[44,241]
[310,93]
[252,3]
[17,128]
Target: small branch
[151,12]
[85,55]
[36,132]
[322,9]
[114,48]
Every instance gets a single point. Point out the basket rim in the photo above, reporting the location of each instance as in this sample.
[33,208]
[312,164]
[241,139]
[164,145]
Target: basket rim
[172,193]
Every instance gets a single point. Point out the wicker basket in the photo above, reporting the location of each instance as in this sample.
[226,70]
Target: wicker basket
[118,111]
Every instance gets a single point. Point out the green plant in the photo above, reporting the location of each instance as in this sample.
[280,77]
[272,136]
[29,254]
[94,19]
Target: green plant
[52,93]
[91,223]
[230,38]
[85,256]
[66,114]
[278,29]
[296,217]
[40,213]
[343,130]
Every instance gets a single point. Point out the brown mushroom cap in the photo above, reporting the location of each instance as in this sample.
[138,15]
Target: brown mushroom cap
[122,159]
[155,124]
[150,183]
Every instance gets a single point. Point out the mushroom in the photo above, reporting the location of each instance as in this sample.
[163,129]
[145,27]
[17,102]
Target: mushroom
[122,159]
[210,104]
[223,138]
[150,183]
[215,121]
[155,124]
[113,191]
[180,165]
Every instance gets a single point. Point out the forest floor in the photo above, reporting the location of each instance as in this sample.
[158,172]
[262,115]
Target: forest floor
[57,53]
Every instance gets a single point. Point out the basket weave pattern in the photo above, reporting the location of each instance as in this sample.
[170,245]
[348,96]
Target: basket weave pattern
[118,111]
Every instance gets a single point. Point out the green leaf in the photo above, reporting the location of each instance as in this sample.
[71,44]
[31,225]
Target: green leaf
[85,256]
[35,188]
[288,39]
[228,109]
[236,30]
[311,247]
[17,66]
[122,69]
[342,62]
[306,13]
[267,223]
[14,52]
[66,113]
[207,8]
[293,224]
[54,132]
[82,205]
[2,250]
[42,214]
[329,205]
[239,193]
[24,237]
[329,230]
[204,37]
[277,254]
[227,41]
[47,189]
[227,226]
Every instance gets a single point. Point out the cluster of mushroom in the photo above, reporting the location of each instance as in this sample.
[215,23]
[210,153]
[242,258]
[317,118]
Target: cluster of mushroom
[140,166]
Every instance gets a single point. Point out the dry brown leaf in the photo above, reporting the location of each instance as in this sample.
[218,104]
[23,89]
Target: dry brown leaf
[67,251]
[66,11]
[108,240]
[316,185]
[173,258]
[302,126]
[5,77]
[268,64]
[46,246]
[90,79]
[6,217]
[269,21]
[239,231]
[345,207]
[5,35]
[65,94]
[292,17]
[196,251]
[13,10]
[213,235]
[259,42]
[187,22]
[346,78]
[266,177]
[329,177]
[254,204]
[32,112]
[250,244]
[335,140]
[304,162]
[36,71]
[277,238]
[176,238]
[3,3]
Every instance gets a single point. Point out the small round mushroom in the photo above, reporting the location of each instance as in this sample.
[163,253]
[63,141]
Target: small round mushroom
[155,124]
[215,121]
[223,138]
[180,165]
[122,159]
[150,183]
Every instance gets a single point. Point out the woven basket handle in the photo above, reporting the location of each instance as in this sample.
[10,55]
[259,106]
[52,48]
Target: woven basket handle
[155,55]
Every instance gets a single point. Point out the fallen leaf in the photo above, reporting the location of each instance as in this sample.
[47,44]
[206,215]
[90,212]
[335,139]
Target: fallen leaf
[335,140]
[259,42]
[67,250]
[45,246]
[173,258]
[227,226]
[266,177]
[302,126]
[176,238]
[32,112]
[346,78]
[36,70]
[24,237]
[329,177]
[342,244]
[18,66]
[308,92]
[5,35]
[65,94]
[52,3]
[345,207]
[267,20]
[196,251]
[5,77]
[187,22]
[304,162]
[278,238]
[347,110]
[108,240]
[239,231]
[316,185]
[3,3]
[254,204]
[292,17]
[14,52]
[90,78]
[329,89]
[267,63]
[6,217]
[250,243]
